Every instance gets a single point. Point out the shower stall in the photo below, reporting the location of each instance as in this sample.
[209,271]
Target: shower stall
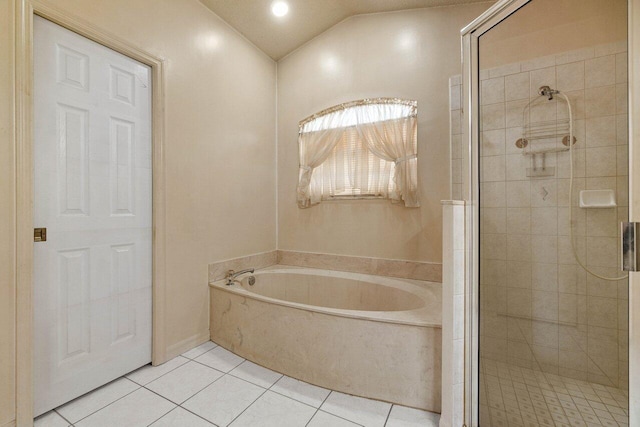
[540,153]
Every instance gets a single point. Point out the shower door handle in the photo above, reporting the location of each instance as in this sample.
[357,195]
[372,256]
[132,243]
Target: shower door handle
[629,252]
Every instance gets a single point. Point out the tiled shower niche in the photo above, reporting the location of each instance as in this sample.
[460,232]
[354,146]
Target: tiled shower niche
[539,309]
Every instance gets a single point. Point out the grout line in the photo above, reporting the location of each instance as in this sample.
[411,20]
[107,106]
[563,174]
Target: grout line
[159,395]
[211,367]
[213,382]
[178,403]
[334,415]
[293,398]
[319,406]
[388,415]
[109,404]
[342,418]
[206,351]
[297,400]
[154,421]
[62,416]
[248,406]
[199,416]
[251,382]
[142,385]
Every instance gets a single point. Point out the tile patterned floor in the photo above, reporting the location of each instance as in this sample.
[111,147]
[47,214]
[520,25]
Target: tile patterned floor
[210,386]
[514,396]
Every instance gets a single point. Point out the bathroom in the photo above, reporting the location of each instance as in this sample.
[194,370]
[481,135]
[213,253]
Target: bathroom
[474,297]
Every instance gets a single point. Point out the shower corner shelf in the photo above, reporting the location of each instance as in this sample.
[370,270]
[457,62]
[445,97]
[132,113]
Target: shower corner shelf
[597,199]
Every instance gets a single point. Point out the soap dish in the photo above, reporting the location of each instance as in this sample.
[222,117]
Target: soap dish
[597,199]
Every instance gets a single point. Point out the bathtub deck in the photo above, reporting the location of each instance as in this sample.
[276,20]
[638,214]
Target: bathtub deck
[209,386]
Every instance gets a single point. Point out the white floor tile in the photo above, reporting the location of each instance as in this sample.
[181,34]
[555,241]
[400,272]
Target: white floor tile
[148,373]
[299,390]
[181,418]
[220,359]
[357,409]
[184,381]
[50,419]
[93,401]
[274,410]
[324,419]
[140,408]
[224,400]
[256,374]
[199,350]
[408,417]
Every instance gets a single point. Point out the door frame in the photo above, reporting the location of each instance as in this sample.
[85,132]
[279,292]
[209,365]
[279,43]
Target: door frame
[23,93]
[470,78]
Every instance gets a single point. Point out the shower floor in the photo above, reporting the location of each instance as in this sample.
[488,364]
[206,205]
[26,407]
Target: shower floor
[209,386]
[515,396]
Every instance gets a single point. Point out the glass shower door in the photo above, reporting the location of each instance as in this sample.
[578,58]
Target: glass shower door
[553,176]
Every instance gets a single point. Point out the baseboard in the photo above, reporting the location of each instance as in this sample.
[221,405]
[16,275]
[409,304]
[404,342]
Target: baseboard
[187,344]
[9,424]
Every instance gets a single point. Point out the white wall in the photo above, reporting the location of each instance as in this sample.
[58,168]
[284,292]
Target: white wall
[548,27]
[408,54]
[220,155]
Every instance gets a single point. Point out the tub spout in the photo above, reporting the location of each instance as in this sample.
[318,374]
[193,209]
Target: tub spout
[231,276]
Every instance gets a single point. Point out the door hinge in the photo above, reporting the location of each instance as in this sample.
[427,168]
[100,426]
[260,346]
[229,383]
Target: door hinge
[39,234]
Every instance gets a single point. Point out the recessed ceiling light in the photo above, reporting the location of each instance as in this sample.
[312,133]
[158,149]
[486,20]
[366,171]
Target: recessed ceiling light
[279,8]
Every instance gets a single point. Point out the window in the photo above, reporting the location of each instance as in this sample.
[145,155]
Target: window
[352,171]
[362,149]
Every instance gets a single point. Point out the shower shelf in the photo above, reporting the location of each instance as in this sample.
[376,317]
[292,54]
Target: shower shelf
[551,150]
[597,199]
[547,129]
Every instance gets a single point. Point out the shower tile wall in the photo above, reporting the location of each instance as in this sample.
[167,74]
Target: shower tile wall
[540,310]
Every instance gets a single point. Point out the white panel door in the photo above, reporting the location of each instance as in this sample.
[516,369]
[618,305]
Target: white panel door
[92,191]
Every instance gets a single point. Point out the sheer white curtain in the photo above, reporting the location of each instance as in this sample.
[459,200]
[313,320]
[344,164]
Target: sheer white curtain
[360,149]
[396,140]
[314,147]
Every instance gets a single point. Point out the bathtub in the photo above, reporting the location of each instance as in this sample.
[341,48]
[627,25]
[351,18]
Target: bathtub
[364,335]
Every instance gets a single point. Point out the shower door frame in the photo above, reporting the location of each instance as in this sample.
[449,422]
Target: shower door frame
[471,194]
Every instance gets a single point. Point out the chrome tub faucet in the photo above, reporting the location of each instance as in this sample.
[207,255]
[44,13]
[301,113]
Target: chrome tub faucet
[231,276]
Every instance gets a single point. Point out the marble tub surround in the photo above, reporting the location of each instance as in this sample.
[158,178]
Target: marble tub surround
[218,270]
[406,269]
[394,356]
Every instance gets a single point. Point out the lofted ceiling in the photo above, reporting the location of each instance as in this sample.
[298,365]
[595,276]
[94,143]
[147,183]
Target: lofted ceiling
[306,18]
